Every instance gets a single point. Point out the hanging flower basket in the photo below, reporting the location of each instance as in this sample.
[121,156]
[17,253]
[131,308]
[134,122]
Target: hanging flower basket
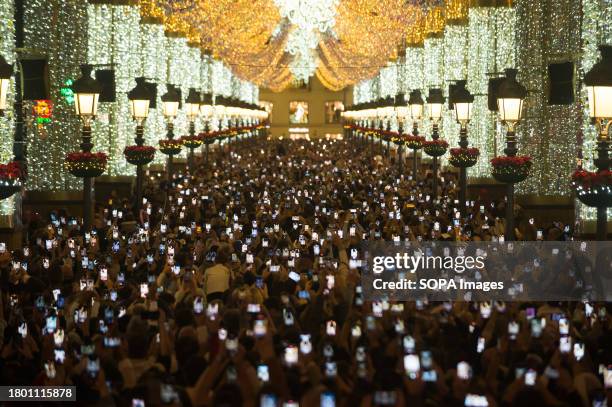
[398,139]
[511,170]
[593,188]
[170,146]
[387,135]
[209,137]
[139,155]
[463,157]
[414,142]
[86,165]
[435,148]
[223,134]
[192,141]
[11,175]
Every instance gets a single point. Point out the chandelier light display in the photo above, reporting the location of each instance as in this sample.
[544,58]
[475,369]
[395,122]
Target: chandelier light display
[309,19]
[273,42]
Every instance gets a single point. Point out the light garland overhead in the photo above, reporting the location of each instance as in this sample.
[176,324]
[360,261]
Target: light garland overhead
[272,42]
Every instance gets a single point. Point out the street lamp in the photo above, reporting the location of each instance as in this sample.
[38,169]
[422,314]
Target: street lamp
[140,98]
[388,112]
[86,94]
[192,107]
[171,101]
[599,87]
[510,97]
[6,72]
[435,101]
[207,110]
[415,105]
[219,112]
[401,112]
[462,103]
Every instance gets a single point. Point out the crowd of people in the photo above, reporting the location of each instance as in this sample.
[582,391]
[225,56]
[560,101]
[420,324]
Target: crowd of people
[233,285]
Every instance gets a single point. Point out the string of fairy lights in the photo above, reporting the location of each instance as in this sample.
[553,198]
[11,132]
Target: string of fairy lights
[7,129]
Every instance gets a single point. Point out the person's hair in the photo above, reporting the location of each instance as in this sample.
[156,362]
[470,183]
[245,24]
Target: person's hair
[223,255]
[228,395]
[137,338]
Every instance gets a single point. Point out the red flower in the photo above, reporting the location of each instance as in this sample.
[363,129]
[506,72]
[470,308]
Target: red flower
[589,179]
[11,170]
[80,156]
[139,150]
[517,161]
[472,151]
[439,142]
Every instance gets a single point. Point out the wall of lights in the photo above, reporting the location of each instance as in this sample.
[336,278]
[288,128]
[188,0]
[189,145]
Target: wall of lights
[7,50]
[593,32]
[55,28]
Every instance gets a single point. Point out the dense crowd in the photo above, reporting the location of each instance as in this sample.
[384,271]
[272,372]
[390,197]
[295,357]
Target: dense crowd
[234,285]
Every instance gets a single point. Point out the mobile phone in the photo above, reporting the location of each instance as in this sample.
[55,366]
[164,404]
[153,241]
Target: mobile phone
[331,369]
[412,365]
[464,371]
[231,344]
[331,328]
[260,327]
[565,344]
[93,367]
[263,373]
[328,399]
[578,350]
[50,370]
[291,355]
[23,329]
[475,400]
[198,305]
[530,377]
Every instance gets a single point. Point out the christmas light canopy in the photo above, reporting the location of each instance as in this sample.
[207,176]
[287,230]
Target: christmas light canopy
[510,97]
[462,102]
[6,71]
[140,98]
[415,103]
[86,94]
[435,101]
[599,85]
[170,102]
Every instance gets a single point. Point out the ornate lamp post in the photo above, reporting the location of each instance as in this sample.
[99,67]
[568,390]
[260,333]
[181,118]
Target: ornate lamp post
[192,107]
[401,112]
[207,110]
[380,117]
[415,105]
[388,112]
[435,101]
[511,95]
[170,105]
[462,102]
[599,86]
[140,98]
[86,94]
[219,112]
